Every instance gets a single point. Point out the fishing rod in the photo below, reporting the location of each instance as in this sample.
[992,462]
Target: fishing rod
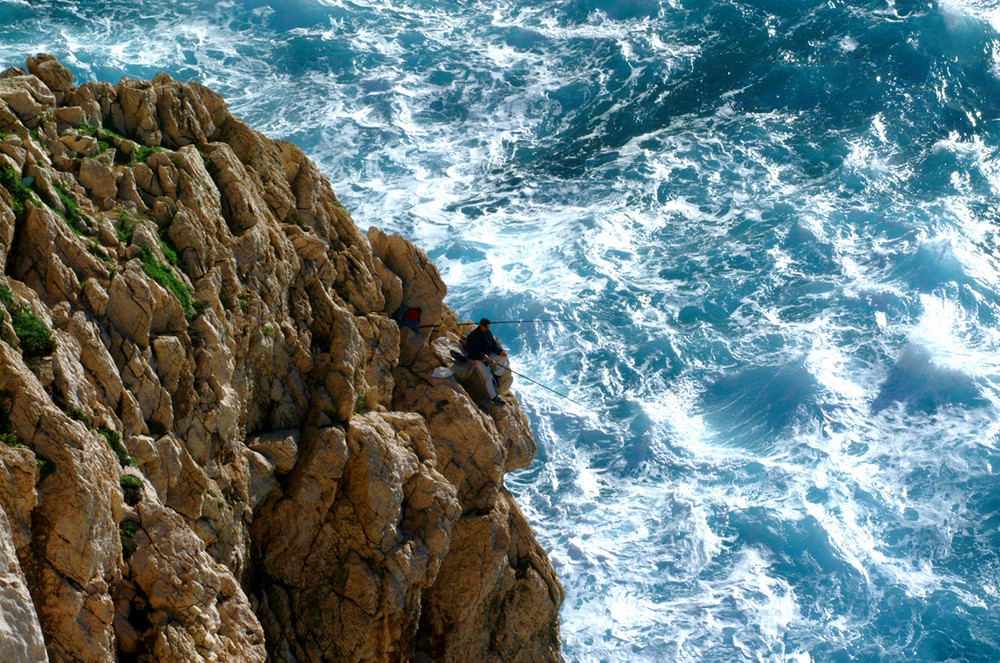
[501,322]
[557,393]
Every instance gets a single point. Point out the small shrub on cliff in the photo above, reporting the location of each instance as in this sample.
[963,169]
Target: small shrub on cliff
[35,338]
[359,402]
[77,414]
[267,330]
[10,179]
[160,273]
[143,152]
[114,440]
[127,530]
[8,435]
[131,488]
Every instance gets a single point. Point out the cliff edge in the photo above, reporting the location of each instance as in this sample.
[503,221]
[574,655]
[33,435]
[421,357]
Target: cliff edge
[215,446]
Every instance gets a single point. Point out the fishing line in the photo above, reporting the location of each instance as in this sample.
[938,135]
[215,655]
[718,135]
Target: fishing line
[500,322]
[557,393]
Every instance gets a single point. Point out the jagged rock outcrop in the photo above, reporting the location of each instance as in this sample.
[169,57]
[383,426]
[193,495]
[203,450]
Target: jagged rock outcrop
[215,444]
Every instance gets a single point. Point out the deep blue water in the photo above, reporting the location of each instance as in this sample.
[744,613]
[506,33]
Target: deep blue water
[772,228]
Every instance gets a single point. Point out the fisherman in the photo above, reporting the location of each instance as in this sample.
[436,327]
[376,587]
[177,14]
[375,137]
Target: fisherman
[486,354]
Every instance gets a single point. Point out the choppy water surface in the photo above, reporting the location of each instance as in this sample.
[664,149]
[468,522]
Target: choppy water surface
[772,227]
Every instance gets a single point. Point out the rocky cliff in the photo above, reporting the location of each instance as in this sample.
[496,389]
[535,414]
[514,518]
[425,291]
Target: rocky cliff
[216,445]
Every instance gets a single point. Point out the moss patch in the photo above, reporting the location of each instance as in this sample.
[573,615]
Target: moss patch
[160,273]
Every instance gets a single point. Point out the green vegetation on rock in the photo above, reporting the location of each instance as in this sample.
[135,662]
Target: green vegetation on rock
[77,414]
[131,488]
[143,152]
[10,179]
[114,440]
[8,435]
[126,531]
[169,250]
[33,336]
[162,274]
[72,215]
[126,226]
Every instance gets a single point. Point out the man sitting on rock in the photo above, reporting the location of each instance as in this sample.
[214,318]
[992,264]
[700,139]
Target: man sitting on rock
[485,352]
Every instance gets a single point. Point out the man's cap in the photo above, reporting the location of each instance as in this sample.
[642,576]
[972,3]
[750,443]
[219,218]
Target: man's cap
[485,322]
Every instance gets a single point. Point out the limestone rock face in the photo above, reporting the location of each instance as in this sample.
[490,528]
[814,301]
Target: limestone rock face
[193,604]
[20,632]
[215,444]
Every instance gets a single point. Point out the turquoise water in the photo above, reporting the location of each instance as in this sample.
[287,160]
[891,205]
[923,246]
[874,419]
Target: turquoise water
[771,227]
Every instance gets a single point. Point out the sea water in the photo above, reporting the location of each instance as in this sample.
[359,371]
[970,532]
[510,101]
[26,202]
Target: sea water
[769,229]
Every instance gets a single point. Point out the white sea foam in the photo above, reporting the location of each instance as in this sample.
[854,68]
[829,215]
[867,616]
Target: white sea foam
[674,543]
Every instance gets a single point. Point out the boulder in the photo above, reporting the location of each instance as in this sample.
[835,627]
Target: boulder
[50,71]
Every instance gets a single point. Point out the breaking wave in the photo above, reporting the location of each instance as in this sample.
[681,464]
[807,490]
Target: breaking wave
[770,228]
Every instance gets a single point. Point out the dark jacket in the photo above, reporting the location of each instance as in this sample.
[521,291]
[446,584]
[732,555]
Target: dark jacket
[479,343]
